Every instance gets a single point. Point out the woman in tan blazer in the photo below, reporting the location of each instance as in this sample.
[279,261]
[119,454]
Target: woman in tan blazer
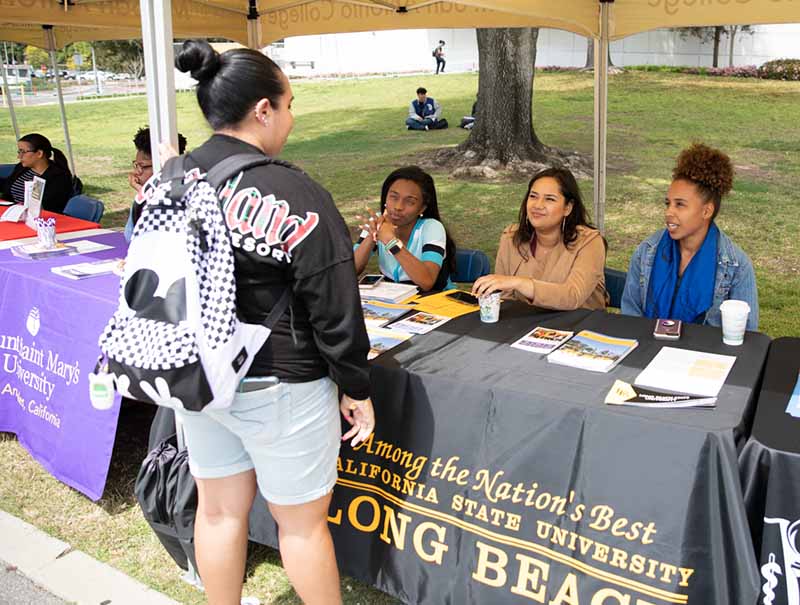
[553,258]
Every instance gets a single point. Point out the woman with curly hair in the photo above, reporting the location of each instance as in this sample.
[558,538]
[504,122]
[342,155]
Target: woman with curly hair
[552,257]
[688,269]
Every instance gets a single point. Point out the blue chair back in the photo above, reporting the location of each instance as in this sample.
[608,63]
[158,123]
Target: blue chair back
[6,170]
[615,286]
[470,265]
[85,207]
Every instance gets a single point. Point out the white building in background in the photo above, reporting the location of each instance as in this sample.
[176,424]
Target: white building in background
[410,50]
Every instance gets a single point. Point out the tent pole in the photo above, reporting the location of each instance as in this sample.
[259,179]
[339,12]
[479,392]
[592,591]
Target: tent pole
[601,116]
[7,96]
[159,62]
[50,36]
[253,26]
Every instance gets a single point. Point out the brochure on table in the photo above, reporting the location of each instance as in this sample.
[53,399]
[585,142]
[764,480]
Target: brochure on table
[88,269]
[623,393]
[688,372]
[377,314]
[34,192]
[382,339]
[542,340]
[419,323]
[593,351]
[13,214]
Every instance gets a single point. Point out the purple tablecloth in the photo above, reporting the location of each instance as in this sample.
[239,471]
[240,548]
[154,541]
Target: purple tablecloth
[49,327]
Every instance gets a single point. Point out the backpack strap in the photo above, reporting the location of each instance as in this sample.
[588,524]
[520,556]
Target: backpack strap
[279,309]
[233,165]
[172,172]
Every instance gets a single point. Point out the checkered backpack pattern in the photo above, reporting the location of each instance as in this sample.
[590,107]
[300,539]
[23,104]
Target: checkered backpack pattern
[175,339]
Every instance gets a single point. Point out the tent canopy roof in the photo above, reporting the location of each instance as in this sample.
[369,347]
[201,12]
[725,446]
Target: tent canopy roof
[112,19]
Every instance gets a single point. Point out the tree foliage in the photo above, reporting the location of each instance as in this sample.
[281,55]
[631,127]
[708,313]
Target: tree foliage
[714,34]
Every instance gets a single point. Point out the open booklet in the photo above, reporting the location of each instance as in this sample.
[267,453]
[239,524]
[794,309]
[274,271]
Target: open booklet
[593,351]
[623,393]
[686,372]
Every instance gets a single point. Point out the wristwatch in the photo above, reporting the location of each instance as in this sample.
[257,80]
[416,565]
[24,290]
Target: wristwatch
[394,245]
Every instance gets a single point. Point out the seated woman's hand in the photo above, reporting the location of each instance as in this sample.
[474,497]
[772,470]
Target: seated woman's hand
[371,223]
[495,283]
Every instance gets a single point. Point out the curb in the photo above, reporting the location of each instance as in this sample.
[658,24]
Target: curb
[69,574]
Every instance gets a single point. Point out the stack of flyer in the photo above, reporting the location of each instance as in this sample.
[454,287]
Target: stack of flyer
[88,269]
[389,292]
[681,378]
[593,351]
[36,251]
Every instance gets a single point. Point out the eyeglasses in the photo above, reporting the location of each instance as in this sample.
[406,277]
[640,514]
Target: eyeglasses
[24,151]
[139,167]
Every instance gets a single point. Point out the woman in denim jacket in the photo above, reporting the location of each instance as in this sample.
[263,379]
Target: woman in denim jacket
[688,269]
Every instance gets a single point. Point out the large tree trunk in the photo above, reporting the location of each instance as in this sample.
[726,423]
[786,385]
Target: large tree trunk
[732,35]
[590,55]
[717,35]
[503,128]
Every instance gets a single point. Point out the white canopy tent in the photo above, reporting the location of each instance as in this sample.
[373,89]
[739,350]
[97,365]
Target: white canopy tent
[258,22]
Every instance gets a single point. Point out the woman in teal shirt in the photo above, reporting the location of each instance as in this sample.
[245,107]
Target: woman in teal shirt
[412,243]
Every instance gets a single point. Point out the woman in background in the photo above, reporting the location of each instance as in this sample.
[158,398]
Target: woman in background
[37,157]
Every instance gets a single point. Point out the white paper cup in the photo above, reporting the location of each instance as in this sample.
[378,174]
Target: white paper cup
[101,391]
[734,321]
[490,307]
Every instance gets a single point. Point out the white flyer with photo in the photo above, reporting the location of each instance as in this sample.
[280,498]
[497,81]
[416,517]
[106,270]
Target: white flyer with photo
[419,323]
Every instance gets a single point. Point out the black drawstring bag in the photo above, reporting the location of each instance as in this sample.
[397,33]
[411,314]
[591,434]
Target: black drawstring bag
[167,495]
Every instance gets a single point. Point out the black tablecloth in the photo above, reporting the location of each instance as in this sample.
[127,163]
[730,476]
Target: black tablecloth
[496,477]
[770,471]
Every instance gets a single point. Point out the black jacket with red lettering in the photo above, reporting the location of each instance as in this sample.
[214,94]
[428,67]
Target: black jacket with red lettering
[287,232]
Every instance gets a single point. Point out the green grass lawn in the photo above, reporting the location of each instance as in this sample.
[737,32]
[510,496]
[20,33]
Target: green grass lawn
[349,135]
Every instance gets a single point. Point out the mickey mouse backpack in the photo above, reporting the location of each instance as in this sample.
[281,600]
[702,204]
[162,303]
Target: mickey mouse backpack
[175,339]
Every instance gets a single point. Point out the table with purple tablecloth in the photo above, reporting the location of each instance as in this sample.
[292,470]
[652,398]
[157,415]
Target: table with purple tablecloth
[49,326]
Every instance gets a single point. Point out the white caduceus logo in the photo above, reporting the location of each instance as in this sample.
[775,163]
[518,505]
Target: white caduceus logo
[791,564]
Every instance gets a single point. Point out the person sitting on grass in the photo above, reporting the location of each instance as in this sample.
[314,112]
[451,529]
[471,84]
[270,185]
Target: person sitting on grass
[552,258]
[425,113]
[413,245]
[142,171]
[688,269]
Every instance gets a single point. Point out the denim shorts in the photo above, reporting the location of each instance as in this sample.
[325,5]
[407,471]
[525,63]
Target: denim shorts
[289,433]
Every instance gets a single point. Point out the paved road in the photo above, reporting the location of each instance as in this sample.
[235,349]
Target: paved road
[71,92]
[16,589]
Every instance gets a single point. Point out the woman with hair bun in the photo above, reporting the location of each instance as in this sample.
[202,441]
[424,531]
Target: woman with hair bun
[282,432]
[37,157]
[688,269]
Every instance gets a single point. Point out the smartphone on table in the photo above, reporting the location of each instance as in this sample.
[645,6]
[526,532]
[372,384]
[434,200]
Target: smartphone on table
[370,280]
[463,297]
[667,329]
